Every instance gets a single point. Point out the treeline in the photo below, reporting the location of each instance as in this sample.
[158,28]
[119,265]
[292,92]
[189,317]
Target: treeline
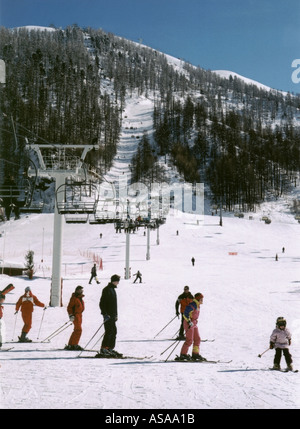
[243,151]
[53,94]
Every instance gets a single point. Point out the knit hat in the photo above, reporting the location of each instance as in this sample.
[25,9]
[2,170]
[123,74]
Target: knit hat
[115,278]
[27,289]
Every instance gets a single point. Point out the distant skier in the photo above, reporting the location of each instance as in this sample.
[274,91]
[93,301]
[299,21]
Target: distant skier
[281,340]
[183,300]
[75,309]
[2,299]
[109,310]
[191,316]
[138,275]
[94,275]
[26,302]
[193,261]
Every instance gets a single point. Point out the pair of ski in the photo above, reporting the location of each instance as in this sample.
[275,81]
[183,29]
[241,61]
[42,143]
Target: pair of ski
[199,361]
[284,370]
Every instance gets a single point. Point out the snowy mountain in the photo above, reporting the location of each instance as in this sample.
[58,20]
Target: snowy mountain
[152,115]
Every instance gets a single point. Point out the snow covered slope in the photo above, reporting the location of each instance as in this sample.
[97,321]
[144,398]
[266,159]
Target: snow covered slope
[244,289]
[137,120]
[226,74]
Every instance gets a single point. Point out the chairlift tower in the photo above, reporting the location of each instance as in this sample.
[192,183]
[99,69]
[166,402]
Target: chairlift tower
[57,164]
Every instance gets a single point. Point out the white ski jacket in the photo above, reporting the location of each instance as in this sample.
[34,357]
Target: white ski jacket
[281,338]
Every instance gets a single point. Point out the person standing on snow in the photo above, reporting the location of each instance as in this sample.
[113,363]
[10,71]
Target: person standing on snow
[2,299]
[183,300]
[138,275]
[26,302]
[191,316]
[75,309]
[281,340]
[109,310]
[94,275]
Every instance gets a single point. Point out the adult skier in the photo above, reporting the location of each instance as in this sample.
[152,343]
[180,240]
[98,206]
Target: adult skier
[183,300]
[109,310]
[138,275]
[75,309]
[280,340]
[191,316]
[2,299]
[26,303]
[94,275]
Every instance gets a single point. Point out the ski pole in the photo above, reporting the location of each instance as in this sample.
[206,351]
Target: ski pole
[58,332]
[177,332]
[41,323]
[59,329]
[263,353]
[16,313]
[98,341]
[165,326]
[177,342]
[91,338]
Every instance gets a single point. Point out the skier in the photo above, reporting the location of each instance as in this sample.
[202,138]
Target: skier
[193,261]
[26,302]
[109,310]
[2,299]
[281,340]
[75,309]
[94,274]
[138,275]
[183,300]
[191,315]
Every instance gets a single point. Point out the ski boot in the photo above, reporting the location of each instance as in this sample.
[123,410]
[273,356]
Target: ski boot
[23,338]
[104,353]
[183,357]
[75,347]
[116,354]
[180,338]
[290,367]
[196,356]
[276,367]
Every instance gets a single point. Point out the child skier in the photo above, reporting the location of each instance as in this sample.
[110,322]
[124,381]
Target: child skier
[191,315]
[281,340]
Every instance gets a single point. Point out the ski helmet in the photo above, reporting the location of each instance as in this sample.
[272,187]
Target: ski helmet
[281,321]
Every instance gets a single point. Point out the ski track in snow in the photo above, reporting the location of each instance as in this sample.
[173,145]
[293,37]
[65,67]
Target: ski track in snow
[137,121]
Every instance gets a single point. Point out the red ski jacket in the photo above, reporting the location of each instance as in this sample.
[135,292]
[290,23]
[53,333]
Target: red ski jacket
[76,305]
[27,301]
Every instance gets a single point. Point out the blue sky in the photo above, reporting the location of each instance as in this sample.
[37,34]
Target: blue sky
[258,39]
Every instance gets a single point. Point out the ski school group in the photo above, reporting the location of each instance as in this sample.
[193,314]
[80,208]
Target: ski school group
[189,305]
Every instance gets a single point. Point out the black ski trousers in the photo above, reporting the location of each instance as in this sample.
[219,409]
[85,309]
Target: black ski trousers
[286,353]
[109,339]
